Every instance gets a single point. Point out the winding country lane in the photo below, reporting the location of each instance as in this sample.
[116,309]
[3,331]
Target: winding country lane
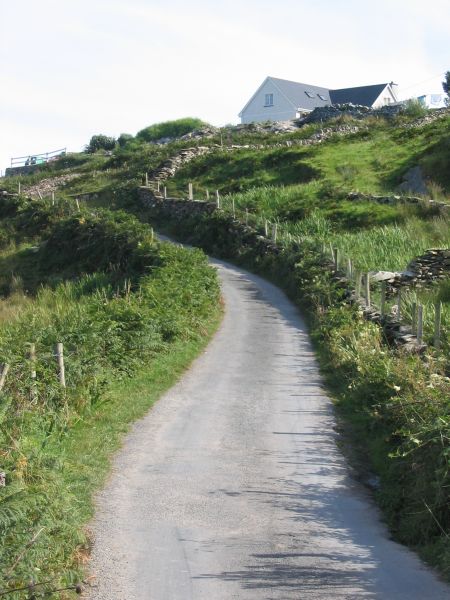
[233,486]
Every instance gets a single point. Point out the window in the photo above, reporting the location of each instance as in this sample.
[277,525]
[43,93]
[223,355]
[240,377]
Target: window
[268,100]
[322,97]
[310,94]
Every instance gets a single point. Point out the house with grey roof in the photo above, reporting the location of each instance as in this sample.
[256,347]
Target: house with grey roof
[282,100]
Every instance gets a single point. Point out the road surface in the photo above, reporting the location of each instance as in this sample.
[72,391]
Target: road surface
[233,486]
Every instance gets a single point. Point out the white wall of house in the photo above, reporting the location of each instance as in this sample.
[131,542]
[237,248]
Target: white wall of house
[259,110]
[386,97]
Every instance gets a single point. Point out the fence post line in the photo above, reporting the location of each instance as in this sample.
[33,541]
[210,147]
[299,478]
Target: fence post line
[59,350]
[4,372]
[367,290]
[383,298]
[437,325]
[419,323]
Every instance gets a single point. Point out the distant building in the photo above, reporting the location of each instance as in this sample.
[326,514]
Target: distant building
[433,100]
[282,100]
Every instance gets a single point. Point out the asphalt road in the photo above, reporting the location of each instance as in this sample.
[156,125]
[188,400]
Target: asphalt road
[233,486]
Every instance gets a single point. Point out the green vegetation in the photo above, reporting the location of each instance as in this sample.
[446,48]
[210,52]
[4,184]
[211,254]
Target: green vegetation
[395,407]
[170,129]
[131,313]
[100,142]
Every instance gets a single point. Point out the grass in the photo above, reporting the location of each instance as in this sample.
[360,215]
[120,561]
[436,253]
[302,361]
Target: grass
[122,304]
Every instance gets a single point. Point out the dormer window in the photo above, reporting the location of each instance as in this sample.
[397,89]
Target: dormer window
[268,100]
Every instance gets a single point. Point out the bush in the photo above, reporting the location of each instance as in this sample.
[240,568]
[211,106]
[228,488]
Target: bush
[170,129]
[124,138]
[415,109]
[100,142]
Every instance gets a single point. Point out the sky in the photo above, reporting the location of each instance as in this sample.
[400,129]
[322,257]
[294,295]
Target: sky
[70,69]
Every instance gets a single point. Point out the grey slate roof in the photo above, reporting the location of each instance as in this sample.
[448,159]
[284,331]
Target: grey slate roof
[296,93]
[364,95]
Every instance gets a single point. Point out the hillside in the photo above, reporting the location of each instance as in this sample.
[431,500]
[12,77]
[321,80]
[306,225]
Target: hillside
[299,192]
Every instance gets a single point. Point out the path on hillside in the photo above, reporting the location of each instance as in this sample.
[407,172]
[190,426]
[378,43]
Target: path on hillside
[232,487]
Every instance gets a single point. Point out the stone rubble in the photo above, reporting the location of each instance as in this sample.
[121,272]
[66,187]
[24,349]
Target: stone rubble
[46,186]
[398,199]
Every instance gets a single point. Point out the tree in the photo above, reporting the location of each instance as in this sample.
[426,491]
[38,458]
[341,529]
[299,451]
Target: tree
[124,138]
[446,86]
[100,142]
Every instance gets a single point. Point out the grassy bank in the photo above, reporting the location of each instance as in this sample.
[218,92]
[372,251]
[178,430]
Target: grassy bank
[132,313]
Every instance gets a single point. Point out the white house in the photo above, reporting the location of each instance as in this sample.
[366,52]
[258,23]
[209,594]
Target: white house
[433,100]
[281,100]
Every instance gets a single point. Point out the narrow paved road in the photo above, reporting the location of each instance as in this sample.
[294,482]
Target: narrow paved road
[233,487]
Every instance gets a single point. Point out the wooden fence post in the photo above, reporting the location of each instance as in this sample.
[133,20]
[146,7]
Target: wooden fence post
[165,192]
[207,195]
[349,268]
[60,358]
[32,357]
[358,283]
[437,325]
[399,304]
[419,323]
[266,228]
[336,258]
[367,290]
[414,318]
[191,191]
[146,179]
[19,188]
[383,298]
[217,199]
[275,232]
[3,373]
[157,186]
[234,209]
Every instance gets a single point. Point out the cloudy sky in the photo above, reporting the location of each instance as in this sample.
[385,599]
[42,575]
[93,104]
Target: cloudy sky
[70,69]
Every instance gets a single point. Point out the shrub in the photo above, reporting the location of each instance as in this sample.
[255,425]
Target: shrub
[170,129]
[124,138]
[415,109]
[100,142]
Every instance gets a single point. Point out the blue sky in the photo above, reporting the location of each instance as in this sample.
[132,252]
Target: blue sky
[70,69]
